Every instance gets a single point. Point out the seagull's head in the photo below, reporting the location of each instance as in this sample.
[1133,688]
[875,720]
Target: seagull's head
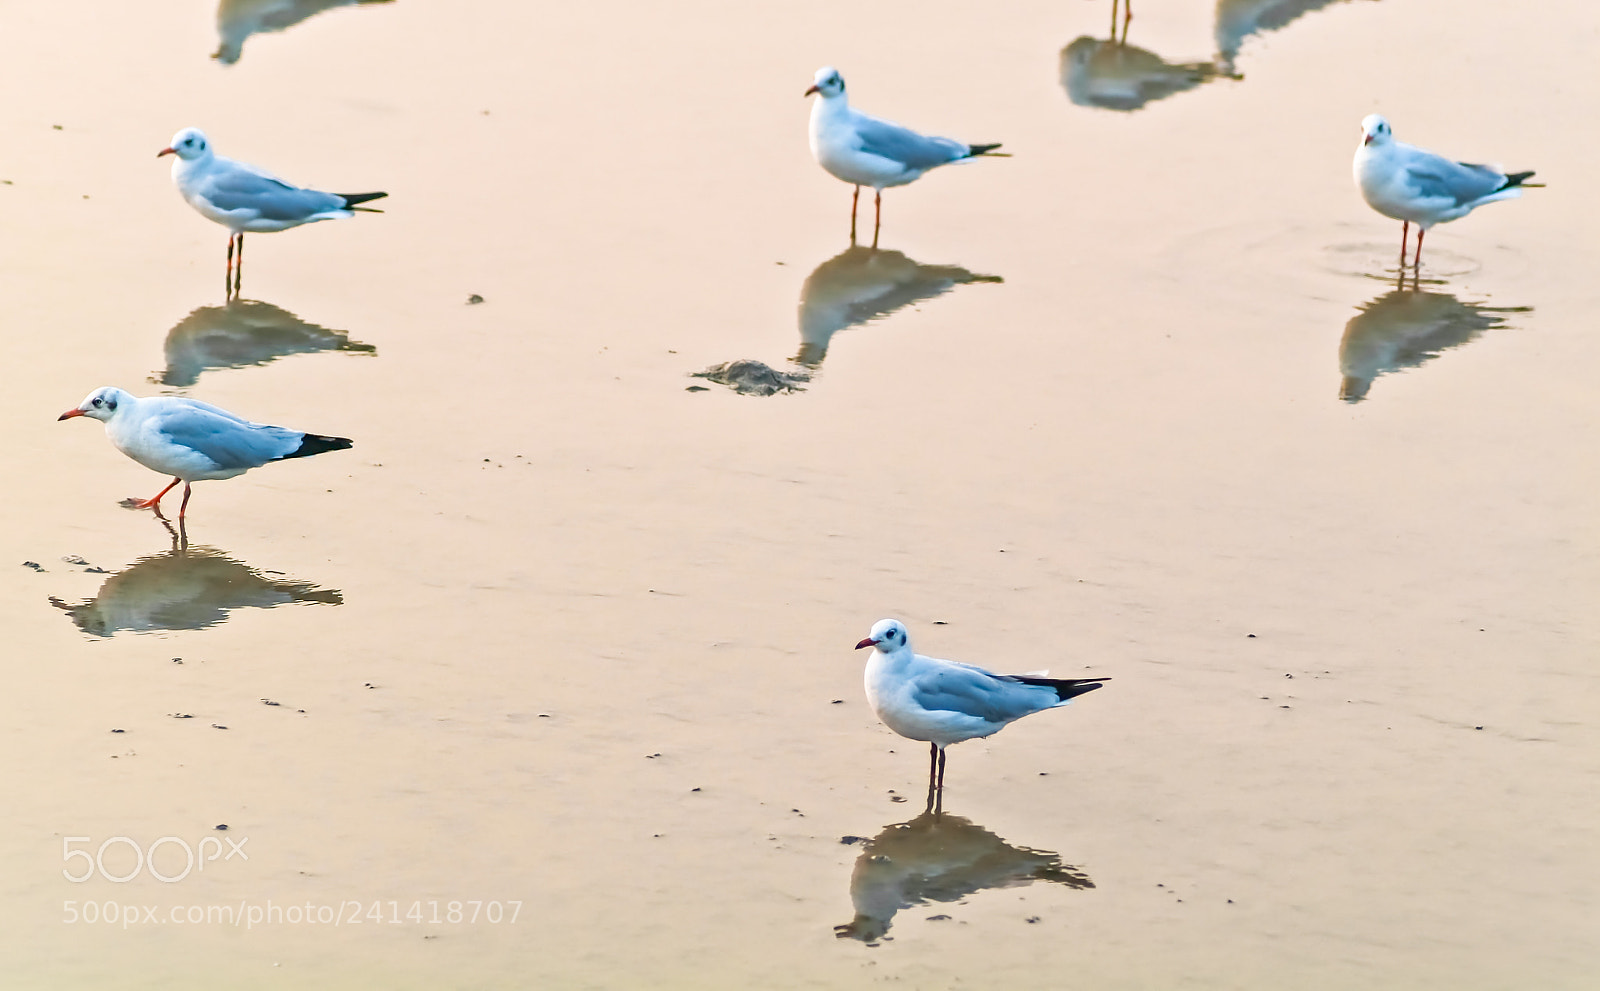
[888,635]
[188,144]
[1375,131]
[101,404]
[828,82]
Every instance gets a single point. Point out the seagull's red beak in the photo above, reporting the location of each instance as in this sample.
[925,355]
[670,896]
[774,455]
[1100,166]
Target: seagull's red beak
[1367,140]
[166,151]
[813,89]
[69,414]
[868,642]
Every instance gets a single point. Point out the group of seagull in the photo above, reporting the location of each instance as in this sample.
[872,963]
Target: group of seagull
[1400,181]
[921,698]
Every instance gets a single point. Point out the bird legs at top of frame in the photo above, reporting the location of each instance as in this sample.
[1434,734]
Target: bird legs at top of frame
[1127,15]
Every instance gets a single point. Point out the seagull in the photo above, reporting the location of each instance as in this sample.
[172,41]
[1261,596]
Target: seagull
[1414,186]
[243,198]
[190,440]
[945,702]
[866,151]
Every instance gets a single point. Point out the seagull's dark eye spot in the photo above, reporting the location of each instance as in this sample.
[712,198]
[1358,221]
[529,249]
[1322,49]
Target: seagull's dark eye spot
[97,402]
[110,404]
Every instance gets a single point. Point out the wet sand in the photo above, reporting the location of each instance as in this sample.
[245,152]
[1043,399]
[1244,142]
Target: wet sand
[568,634]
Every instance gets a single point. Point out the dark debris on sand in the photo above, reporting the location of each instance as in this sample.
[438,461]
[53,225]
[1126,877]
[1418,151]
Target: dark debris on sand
[754,378]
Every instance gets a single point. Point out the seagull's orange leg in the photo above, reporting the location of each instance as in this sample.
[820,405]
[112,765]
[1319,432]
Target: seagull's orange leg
[1405,230]
[877,215]
[155,502]
[184,506]
[1417,261]
[238,270]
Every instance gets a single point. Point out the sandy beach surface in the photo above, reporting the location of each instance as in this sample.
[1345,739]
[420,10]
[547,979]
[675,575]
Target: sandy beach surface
[548,682]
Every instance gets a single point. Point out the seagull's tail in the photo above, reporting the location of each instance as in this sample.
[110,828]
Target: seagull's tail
[1066,689]
[1520,179]
[351,199]
[317,444]
[974,151]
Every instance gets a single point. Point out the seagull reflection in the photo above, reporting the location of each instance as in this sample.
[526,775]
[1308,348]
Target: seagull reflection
[185,589]
[1114,75]
[1239,19]
[237,20]
[244,332]
[940,858]
[1405,328]
[862,284]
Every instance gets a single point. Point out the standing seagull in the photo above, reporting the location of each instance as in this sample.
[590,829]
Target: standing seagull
[1418,187]
[243,198]
[945,702]
[190,440]
[866,151]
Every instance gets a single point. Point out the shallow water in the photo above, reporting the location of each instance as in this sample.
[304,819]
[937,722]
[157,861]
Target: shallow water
[561,632]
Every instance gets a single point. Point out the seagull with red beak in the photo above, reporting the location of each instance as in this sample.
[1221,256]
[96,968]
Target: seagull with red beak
[190,440]
[945,702]
[1405,183]
[865,151]
[243,198]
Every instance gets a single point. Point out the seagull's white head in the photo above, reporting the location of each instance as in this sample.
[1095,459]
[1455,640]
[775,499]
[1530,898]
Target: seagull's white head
[888,635]
[188,144]
[1375,131]
[101,404]
[828,83]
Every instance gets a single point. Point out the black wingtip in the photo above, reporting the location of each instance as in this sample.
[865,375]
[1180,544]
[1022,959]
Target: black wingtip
[1519,179]
[351,199]
[1066,688]
[973,151]
[317,444]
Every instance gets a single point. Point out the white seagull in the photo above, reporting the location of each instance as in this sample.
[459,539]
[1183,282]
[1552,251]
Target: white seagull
[190,440]
[243,198]
[866,151]
[945,702]
[1414,186]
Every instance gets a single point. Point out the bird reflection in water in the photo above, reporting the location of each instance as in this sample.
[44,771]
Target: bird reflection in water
[244,332]
[237,20]
[938,857]
[862,284]
[1114,75]
[1405,328]
[185,588]
[1239,19]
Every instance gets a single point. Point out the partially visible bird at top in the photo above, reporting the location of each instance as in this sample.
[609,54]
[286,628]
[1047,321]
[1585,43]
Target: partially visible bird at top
[867,151]
[1406,183]
[244,198]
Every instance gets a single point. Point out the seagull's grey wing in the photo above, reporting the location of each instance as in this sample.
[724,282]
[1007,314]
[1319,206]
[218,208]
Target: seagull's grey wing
[240,188]
[901,144]
[975,692]
[226,439]
[1437,177]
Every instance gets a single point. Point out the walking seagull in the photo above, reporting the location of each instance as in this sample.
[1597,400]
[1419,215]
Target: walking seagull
[243,198]
[866,151]
[945,702]
[190,440]
[1414,186]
